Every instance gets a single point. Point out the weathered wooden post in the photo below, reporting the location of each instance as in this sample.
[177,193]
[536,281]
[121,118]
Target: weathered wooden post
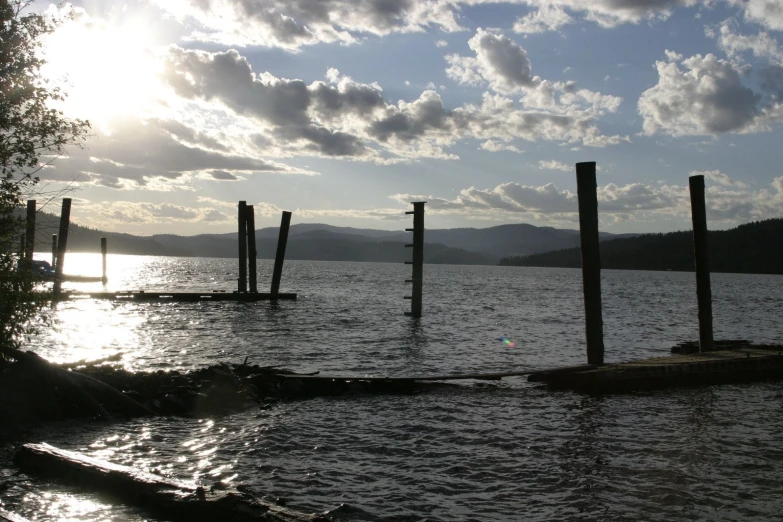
[417,259]
[591,260]
[703,291]
[62,243]
[54,251]
[104,251]
[29,246]
[242,239]
[251,249]
[282,240]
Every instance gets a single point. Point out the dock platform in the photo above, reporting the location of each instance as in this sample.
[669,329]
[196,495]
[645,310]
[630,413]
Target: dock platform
[741,363]
[178,296]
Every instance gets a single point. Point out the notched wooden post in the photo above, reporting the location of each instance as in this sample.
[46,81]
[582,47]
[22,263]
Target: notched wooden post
[701,259]
[417,277]
[586,188]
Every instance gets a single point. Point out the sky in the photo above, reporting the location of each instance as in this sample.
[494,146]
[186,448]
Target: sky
[345,111]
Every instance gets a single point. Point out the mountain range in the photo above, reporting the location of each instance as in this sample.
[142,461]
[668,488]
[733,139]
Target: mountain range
[330,243]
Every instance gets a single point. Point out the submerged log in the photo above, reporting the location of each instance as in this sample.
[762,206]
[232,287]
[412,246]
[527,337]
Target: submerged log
[163,496]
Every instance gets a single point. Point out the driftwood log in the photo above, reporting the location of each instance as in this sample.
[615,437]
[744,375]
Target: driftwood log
[161,496]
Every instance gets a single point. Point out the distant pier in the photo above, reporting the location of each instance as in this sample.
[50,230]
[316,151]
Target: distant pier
[178,296]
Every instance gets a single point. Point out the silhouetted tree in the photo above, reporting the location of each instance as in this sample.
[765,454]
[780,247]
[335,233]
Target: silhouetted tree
[32,134]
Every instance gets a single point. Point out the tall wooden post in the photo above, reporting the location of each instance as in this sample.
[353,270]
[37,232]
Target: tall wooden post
[703,291]
[591,260]
[62,243]
[242,239]
[54,251]
[417,261]
[252,266]
[104,251]
[30,233]
[282,241]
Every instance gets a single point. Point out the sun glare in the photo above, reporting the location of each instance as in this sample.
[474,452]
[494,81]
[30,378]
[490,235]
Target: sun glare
[109,69]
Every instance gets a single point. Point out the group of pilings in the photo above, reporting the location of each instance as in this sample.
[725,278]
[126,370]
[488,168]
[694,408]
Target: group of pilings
[59,242]
[591,261]
[248,254]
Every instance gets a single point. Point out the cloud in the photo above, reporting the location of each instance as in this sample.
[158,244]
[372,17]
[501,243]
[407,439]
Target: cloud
[499,62]
[123,213]
[494,146]
[291,24]
[767,13]
[718,177]
[554,165]
[155,155]
[441,43]
[761,45]
[546,18]
[707,97]
[727,205]
[350,120]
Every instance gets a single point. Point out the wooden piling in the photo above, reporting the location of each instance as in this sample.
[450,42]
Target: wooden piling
[242,239]
[703,291]
[417,278]
[62,243]
[30,233]
[104,251]
[252,255]
[54,251]
[282,240]
[591,261]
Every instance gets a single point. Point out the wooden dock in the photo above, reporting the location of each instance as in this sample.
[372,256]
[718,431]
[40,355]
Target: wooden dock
[738,364]
[178,296]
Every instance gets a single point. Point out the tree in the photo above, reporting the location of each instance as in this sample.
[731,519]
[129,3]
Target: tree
[33,133]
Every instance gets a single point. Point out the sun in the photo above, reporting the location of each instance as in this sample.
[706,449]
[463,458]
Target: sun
[109,70]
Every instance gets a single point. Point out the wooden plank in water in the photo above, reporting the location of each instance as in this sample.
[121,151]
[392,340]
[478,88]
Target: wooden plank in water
[177,296]
[166,497]
[452,377]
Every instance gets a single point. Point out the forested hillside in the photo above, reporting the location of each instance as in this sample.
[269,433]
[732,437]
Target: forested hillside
[755,248]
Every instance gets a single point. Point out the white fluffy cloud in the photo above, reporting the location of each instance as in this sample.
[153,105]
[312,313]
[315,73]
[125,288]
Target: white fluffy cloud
[554,165]
[708,97]
[726,204]
[291,24]
[499,62]
[343,118]
[546,18]
[761,45]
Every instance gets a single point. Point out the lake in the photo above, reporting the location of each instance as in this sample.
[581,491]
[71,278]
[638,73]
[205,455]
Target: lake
[475,451]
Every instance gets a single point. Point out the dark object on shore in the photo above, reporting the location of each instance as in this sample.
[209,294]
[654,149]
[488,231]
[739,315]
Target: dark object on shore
[170,498]
[741,363]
